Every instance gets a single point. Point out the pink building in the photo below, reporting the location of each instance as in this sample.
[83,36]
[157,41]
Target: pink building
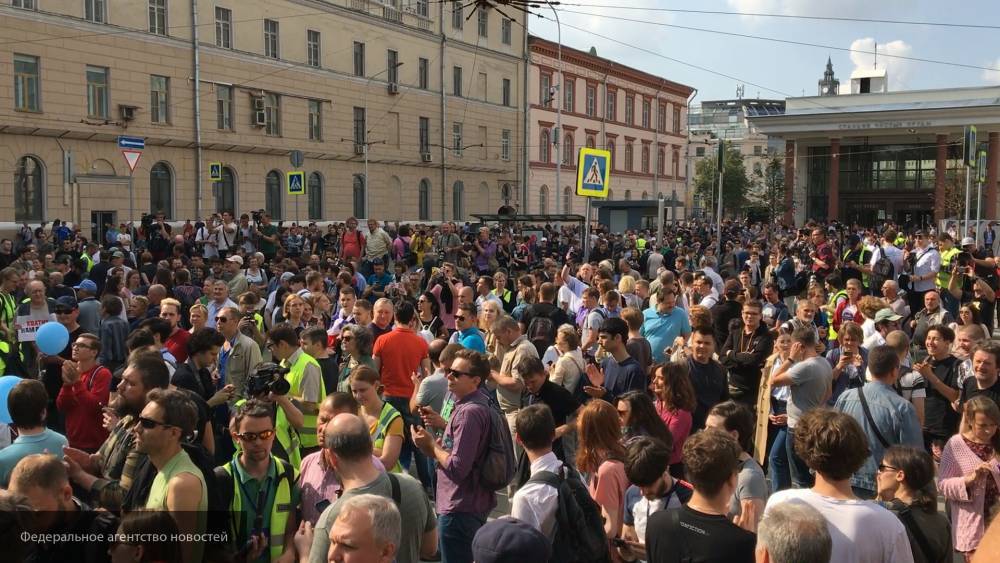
[639,117]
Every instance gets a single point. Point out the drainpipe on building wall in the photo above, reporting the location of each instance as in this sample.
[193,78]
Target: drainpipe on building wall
[524,120]
[197,111]
[655,157]
[687,156]
[441,69]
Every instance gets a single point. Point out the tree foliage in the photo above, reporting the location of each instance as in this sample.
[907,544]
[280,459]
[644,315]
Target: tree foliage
[735,184]
[768,191]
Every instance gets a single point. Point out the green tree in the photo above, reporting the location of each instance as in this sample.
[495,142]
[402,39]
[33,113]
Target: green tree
[768,193]
[735,183]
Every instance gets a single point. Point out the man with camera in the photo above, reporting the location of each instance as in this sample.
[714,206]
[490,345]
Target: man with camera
[267,233]
[158,235]
[268,384]
[305,385]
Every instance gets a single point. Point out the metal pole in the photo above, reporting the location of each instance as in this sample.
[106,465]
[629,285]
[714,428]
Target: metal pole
[673,206]
[558,100]
[131,197]
[586,234]
[659,220]
[968,195]
[979,210]
[199,155]
[718,216]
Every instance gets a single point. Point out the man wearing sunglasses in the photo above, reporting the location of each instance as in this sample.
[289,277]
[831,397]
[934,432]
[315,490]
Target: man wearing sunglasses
[466,332]
[260,487]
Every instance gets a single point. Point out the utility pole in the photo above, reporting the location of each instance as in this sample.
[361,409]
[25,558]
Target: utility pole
[718,203]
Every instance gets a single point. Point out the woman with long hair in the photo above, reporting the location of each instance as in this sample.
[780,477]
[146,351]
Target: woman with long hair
[626,288]
[256,276]
[905,486]
[638,417]
[356,348]
[600,456]
[489,312]
[969,475]
[526,296]
[675,401]
[569,365]
[140,532]
[385,424]
[849,360]
[968,315]
[322,309]
[772,417]
[429,316]
[445,285]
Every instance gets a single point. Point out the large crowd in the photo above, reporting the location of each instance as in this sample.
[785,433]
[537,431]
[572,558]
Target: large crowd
[236,389]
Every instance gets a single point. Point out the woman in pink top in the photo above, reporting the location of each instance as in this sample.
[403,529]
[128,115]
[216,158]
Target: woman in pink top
[969,475]
[600,455]
[674,403]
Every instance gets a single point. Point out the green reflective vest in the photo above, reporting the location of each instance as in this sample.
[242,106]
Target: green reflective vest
[87,260]
[307,433]
[279,509]
[833,309]
[944,274]
[385,418]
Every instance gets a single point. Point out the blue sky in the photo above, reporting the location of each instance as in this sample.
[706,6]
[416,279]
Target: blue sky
[778,70]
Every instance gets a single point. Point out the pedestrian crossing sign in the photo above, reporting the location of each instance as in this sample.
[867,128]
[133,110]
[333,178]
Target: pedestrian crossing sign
[215,171]
[593,172]
[296,183]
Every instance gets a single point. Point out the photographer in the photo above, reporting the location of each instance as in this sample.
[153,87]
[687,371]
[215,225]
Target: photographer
[305,385]
[267,233]
[973,290]
[157,235]
[268,384]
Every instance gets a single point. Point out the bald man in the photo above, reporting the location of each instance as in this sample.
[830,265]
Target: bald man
[31,315]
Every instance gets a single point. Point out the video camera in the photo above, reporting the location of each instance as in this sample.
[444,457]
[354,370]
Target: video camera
[257,216]
[268,378]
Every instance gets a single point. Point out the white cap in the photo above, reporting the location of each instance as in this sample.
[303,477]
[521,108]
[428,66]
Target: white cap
[968,240]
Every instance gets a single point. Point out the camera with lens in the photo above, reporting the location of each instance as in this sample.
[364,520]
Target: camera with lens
[257,215]
[268,378]
[964,259]
[146,220]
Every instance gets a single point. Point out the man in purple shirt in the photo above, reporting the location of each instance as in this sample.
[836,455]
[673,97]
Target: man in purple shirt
[462,504]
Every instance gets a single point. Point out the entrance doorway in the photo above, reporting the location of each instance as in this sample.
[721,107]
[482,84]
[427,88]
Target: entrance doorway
[100,221]
[915,218]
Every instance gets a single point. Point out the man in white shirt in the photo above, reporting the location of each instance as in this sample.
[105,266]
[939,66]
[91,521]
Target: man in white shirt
[926,264]
[708,266]
[705,288]
[889,250]
[536,501]
[226,235]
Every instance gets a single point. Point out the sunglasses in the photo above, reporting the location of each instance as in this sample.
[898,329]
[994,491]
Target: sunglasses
[149,423]
[460,318]
[346,338]
[882,468]
[455,373]
[221,319]
[63,311]
[254,436]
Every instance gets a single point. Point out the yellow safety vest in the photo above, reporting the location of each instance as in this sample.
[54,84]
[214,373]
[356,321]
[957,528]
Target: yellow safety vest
[385,418]
[286,435]
[89,261]
[307,434]
[944,274]
[281,506]
[833,306]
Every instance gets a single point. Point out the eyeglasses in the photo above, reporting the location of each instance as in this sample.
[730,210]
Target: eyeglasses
[149,423]
[254,436]
[82,345]
[346,338]
[455,373]
[460,318]
[882,468]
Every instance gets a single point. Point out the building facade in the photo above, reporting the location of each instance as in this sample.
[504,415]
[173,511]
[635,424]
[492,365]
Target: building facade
[639,117]
[430,93]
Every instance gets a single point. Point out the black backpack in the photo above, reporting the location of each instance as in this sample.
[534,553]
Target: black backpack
[542,333]
[498,463]
[579,532]
[882,270]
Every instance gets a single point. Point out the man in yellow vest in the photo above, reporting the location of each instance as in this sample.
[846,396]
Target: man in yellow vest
[948,252]
[305,378]
[260,487]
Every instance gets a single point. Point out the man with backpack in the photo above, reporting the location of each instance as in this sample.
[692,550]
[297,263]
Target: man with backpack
[886,263]
[647,466]
[464,497]
[542,319]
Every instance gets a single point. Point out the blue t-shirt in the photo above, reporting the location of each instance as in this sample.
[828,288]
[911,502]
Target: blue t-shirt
[472,339]
[620,378]
[47,441]
[661,329]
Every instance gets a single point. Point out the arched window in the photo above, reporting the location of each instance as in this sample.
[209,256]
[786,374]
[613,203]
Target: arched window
[29,190]
[315,194]
[591,143]
[458,200]
[568,149]
[424,200]
[272,195]
[611,149]
[628,195]
[661,157]
[567,199]
[628,157]
[645,195]
[645,159]
[161,188]
[543,200]
[545,146]
[505,194]
[225,191]
[360,196]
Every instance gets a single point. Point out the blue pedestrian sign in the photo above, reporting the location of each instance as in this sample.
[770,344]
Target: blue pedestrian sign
[134,143]
[215,171]
[296,183]
[593,172]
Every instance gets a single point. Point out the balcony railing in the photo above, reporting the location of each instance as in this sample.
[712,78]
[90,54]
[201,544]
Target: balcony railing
[392,13]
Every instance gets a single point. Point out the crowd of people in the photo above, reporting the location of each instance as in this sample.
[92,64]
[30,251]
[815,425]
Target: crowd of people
[235,390]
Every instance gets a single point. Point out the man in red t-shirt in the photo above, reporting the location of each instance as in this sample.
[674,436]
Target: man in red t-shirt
[823,259]
[170,311]
[84,394]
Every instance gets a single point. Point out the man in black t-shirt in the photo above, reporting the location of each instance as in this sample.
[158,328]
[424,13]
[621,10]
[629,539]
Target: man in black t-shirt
[940,371]
[985,369]
[708,377]
[700,530]
[540,390]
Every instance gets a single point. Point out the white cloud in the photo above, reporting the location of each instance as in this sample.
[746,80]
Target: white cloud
[992,76]
[897,69]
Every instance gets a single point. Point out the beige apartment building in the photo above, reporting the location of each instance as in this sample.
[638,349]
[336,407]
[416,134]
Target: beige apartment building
[639,117]
[429,92]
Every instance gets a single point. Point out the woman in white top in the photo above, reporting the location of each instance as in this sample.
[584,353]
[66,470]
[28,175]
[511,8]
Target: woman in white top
[565,359]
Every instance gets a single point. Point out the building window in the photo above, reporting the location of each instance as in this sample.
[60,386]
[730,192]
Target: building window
[677,120]
[645,114]
[545,89]
[224,28]
[609,111]
[505,92]
[544,146]
[424,200]
[458,200]
[360,134]
[758,150]
[661,157]
[645,195]
[457,18]
[456,139]
[97,92]
[506,194]
[628,195]
[661,118]
[224,107]
[271,39]
[567,199]
[592,101]
[272,114]
[315,195]
[567,149]
[569,94]
[359,58]
[629,109]
[29,190]
[360,196]
[158,17]
[26,4]
[425,135]
[422,8]
[26,89]
[611,149]
[456,79]
[645,160]
[505,28]
[677,165]
[313,48]
[483,19]
[699,151]
[159,99]
[628,157]
[225,195]
[543,200]
[392,66]
[93,11]
[272,194]
[505,144]
[591,142]
[161,190]
[422,71]
[315,120]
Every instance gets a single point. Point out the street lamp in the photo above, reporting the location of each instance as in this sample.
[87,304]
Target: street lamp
[365,144]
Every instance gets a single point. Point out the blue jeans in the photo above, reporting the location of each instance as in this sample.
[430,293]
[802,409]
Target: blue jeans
[456,531]
[777,461]
[801,478]
[402,405]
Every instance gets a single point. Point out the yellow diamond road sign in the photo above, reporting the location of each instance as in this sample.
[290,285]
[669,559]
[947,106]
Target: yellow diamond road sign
[593,172]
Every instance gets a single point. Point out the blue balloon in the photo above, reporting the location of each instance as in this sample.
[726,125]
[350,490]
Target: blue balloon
[52,338]
[7,383]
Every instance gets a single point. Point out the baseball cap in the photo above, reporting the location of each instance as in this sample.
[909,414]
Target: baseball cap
[287,276]
[968,241]
[235,260]
[886,314]
[87,285]
[117,254]
[509,540]
[65,303]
